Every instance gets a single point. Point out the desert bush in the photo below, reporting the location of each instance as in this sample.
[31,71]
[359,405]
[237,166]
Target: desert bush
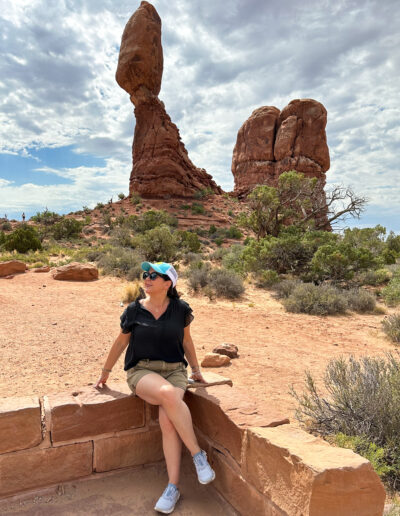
[152,219]
[46,217]
[198,276]
[99,206]
[267,279]
[66,228]
[316,300]
[393,242]
[190,258]
[131,292]
[391,326]
[6,226]
[121,196]
[233,232]
[197,208]
[189,241]
[359,300]
[219,253]
[363,400]
[226,283]
[22,239]
[121,262]
[391,293]
[373,277]
[204,192]
[2,238]
[135,198]
[121,236]
[284,288]
[233,258]
[158,244]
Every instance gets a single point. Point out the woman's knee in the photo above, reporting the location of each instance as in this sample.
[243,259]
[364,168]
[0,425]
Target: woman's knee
[168,395]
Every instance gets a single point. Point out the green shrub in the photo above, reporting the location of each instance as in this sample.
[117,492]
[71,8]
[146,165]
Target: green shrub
[158,244]
[189,241]
[135,198]
[267,279]
[204,192]
[359,300]
[373,278]
[67,228]
[226,283]
[46,217]
[22,239]
[391,326]
[219,241]
[219,253]
[316,300]
[121,262]
[121,236]
[212,229]
[232,258]
[230,213]
[284,288]
[99,206]
[198,276]
[197,208]
[393,242]
[6,226]
[391,293]
[121,196]
[192,258]
[363,401]
[152,219]
[233,232]
[2,238]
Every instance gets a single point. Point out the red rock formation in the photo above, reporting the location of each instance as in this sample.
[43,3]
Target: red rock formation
[161,165]
[271,142]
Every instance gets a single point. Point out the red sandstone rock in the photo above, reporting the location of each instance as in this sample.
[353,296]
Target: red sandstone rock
[76,272]
[161,165]
[229,350]
[12,267]
[20,424]
[303,474]
[93,412]
[33,468]
[215,360]
[125,450]
[42,269]
[299,143]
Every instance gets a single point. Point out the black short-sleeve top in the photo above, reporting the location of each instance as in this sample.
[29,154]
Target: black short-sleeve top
[155,339]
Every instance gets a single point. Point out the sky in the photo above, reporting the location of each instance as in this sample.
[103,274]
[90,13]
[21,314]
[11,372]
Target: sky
[66,127]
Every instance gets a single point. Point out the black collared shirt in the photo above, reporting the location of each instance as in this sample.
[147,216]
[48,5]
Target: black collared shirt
[155,339]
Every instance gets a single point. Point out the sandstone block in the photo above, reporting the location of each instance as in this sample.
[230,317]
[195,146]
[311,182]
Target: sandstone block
[224,415]
[20,424]
[42,269]
[239,493]
[93,412]
[303,474]
[76,272]
[132,449]
[215,360]
[229,350]
[30,469]
[11,267]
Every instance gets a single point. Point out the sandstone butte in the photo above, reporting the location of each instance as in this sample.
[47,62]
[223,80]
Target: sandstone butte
[161,165]
[271,142]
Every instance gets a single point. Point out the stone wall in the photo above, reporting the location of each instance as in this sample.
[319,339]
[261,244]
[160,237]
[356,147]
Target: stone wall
[264,465]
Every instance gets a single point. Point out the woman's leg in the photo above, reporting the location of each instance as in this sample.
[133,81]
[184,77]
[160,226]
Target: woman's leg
[172,445]
[154,389]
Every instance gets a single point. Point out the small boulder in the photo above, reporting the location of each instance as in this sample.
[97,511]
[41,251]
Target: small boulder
[76,272]
[229,350]
[12,267]
[215,360]
[46,268]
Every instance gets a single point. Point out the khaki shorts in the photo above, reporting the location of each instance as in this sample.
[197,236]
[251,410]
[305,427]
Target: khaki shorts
[174,372]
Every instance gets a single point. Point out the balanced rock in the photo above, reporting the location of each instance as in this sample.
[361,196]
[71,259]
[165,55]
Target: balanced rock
[229,350]
[161,165]
[215,360]
[76,272]
[11,267]
[271,142]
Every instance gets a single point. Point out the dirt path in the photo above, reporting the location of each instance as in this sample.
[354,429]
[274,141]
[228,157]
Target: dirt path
[55,335]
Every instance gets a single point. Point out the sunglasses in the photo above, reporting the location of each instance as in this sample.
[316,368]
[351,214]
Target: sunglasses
[151,275]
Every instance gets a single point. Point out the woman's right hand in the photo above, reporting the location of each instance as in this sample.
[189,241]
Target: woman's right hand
[102,380]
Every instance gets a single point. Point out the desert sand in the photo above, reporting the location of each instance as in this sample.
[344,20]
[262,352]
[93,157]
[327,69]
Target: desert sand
[55,336]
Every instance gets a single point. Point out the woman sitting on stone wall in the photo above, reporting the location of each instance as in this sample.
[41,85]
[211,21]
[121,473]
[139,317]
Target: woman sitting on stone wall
[156,332]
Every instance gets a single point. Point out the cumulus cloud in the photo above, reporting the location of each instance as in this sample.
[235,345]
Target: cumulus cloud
[221,61]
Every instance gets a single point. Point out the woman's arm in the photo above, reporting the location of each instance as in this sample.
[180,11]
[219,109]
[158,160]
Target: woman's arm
[115,352]
[190,353]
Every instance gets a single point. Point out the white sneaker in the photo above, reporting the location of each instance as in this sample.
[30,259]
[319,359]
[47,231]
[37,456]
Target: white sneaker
[205,473]
[167,501]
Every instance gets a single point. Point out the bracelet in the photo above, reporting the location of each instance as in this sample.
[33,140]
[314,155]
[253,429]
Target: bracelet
[195,369]
[106,370]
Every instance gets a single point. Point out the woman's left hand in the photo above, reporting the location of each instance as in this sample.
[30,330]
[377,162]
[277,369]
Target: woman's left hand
[198,377]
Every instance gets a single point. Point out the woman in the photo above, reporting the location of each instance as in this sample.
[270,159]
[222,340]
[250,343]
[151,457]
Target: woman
[156,330]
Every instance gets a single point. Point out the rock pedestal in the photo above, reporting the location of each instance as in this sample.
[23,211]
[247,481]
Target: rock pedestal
[161,165]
